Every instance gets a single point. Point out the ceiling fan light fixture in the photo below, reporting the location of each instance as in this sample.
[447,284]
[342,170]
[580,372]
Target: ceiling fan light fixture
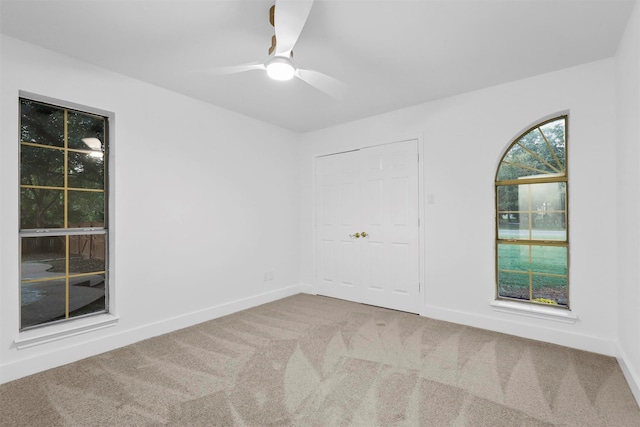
[279,68]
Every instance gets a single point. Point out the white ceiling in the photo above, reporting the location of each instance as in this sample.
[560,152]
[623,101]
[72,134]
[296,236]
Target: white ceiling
[391,54]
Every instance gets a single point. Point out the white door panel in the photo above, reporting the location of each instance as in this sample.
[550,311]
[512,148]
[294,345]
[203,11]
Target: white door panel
[373,190]
[337,212]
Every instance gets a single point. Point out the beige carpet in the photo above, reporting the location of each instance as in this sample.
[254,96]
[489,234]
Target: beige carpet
[315,361]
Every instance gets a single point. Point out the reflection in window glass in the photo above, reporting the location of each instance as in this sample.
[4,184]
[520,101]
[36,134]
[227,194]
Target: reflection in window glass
[42,302]
[532,211]
[86,170]
[86,294]
[83,129]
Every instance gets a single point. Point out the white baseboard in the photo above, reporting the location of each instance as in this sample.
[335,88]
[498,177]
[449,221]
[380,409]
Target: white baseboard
[631,375]
[515,326]
[520,328]
[306,288]
[92,346]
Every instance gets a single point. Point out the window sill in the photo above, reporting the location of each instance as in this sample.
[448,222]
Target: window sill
[68,329]
[534,310]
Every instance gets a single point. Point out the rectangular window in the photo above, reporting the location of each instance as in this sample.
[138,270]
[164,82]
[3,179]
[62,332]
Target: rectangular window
[63,213]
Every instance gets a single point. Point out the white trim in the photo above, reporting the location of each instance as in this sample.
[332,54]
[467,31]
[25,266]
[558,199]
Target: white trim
[632,378]
[106,341]
[534,310]
[68,329]
[544,329]
[307,288]
[81,326]
[422,221]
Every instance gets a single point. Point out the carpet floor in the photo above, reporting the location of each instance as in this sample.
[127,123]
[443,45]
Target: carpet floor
[316,361]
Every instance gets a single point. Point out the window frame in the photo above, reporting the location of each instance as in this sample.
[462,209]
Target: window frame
[562,177]
[99,317]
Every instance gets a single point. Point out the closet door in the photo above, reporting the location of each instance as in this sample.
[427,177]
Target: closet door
[337,214]
[367,247]
[390,265]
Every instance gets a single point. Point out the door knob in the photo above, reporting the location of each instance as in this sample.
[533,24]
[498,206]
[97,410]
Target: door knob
[357,235]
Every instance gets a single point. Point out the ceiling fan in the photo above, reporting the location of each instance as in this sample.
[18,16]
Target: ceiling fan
[288,17]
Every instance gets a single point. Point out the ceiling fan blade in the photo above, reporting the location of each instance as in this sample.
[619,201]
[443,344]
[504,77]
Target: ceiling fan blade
[326,84]
[233,69]
[290,17]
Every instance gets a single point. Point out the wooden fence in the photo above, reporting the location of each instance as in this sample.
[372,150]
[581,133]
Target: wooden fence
[89,246]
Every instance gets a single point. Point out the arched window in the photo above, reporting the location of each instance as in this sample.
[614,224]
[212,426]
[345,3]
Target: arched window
[532,222]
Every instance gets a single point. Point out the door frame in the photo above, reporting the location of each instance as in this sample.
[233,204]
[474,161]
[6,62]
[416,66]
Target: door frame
[421,210]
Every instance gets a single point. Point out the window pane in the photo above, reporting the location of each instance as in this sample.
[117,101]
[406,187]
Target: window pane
[550,288]
[84,130]
[513,257]
[555,134]
[41,124]
[86,295]
[540,207]
[539,152]
[41,208]
[513,208]
[86,253]
[86,170]
[513,285]
[42,302]
[41,166]
[42,257]
[549,260]
[548,211]
[86,209]
[509,198]
[537,156]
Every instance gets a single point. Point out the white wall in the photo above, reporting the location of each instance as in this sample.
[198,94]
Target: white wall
[464,137]
[628,192]
[205,203]
[221,198]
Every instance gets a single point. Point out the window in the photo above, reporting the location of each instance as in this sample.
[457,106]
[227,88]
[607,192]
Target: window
[63,212]
[532,240]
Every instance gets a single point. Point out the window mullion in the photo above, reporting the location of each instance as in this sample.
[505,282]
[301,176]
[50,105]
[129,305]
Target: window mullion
[66,211]
[66,169]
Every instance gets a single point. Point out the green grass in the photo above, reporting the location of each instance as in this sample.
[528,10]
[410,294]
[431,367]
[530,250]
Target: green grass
[530,266]
[537,259]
